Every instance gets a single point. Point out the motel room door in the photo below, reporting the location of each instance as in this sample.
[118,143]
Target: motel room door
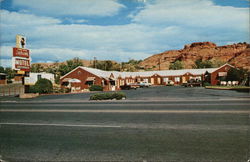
[152,81]
[158,80]
[184,79]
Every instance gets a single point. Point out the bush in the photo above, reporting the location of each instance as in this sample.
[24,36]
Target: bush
[96,88]
[108,96]
[206,84]
[32,89]
[43,86]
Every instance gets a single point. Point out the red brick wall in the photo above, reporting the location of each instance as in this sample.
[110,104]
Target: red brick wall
[214,75]
[4,81]
[82,75]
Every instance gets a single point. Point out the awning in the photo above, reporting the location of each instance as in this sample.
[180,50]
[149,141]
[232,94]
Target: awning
[74,81]
[90,79]
[222,74]
[66,79]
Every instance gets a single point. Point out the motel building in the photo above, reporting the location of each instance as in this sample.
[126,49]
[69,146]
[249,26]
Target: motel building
[81,78]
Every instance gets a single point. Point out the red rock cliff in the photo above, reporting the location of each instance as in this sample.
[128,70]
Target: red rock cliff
[235,54]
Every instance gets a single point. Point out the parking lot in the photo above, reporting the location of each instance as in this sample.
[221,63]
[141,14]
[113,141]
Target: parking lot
[153,124]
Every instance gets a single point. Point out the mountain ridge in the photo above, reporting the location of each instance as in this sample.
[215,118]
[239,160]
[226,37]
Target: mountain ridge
[237,55]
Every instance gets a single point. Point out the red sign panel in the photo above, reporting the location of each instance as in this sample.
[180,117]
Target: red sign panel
[22,64]
[19,52]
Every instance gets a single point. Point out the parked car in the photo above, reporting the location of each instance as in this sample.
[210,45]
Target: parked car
[144,84]
[128,87]
[169,83]
[193,83]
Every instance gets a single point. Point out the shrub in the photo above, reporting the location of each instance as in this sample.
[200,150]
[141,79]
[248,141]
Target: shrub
[43,86]
[176,65]
[96,88]
[206,84]
[108,96]
[32,89]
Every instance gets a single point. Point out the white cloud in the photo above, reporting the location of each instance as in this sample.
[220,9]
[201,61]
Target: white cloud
[56,54]
[20,19]
[193,13]
[6,51]
[71,7]
[75,21]
[156,28]
[6,62]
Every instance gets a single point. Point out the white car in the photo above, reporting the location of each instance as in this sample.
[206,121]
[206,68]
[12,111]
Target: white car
[170,83]
[144,84]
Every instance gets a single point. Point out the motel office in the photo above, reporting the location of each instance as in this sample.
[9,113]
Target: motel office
[112,80]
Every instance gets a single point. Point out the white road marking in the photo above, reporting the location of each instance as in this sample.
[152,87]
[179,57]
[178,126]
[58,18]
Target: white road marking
[63,125]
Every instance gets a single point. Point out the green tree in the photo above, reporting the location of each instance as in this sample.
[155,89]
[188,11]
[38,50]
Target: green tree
[176,65]
[63,69]
[36,68]
[10,73]
[217,63]
[199,64]
[70,65]
[43,86]
[234,74]
[2,69]
[75,62]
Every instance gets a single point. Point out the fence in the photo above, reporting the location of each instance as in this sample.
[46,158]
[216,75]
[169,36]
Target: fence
[11,89]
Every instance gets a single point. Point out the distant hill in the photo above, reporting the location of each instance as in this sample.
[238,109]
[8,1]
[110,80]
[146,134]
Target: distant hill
[235,54]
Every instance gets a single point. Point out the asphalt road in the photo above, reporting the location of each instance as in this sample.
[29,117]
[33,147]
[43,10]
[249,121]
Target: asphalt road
[179,126]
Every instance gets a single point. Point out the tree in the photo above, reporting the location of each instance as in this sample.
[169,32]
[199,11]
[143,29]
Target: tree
[218,63]
[176,65]
[43,86]
[75,62]
[2,69]
[36,68]
[234,74]
[199,64]
[63,69]
[10,73]
[70,65]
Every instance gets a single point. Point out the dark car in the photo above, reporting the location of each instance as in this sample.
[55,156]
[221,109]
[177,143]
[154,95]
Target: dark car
[128,87]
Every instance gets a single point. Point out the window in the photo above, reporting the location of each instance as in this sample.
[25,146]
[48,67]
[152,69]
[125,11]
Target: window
[177,79]
[165,80]
[112,82]
[145,80]
[79,72]
[89,83]
[39,77]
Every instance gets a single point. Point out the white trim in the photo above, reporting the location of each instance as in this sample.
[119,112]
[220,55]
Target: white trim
[70,72]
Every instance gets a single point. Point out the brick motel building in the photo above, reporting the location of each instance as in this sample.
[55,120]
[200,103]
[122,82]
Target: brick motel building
[81,78]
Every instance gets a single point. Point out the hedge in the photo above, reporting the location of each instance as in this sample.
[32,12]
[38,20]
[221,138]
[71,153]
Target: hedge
[96,88]
[108,96]
[42,86]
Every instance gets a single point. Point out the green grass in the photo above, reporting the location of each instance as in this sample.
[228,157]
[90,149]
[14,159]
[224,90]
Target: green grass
[229,87]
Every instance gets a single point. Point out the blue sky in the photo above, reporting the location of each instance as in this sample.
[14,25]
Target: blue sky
[58,30]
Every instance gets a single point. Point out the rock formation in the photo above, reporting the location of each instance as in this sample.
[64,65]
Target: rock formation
[235,54]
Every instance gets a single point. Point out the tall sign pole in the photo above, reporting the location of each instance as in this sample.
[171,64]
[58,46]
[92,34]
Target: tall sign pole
[21,59]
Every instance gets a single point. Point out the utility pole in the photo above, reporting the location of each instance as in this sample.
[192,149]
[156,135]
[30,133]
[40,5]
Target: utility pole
[94,63]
